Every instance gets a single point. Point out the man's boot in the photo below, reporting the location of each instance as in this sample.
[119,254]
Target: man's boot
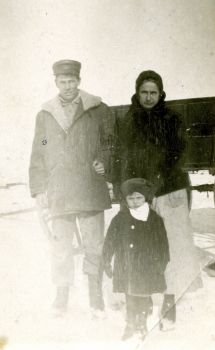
[168,313]
[96,296]
[61,301]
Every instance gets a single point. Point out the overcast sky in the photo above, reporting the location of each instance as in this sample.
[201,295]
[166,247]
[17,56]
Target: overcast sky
[114,39]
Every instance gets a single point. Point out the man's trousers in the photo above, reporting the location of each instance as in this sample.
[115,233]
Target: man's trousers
[91,225]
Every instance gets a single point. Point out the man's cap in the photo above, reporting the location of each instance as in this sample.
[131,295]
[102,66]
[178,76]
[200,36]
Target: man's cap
[69,67]
[139,185]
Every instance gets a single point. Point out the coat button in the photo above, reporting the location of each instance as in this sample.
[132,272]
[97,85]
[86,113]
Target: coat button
[132,227]
[131,245]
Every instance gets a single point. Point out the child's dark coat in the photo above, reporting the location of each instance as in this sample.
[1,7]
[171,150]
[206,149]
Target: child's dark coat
[141,253]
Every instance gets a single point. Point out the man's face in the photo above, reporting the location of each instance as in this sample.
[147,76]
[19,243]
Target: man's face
[149,94]
[67,85]
[135,200]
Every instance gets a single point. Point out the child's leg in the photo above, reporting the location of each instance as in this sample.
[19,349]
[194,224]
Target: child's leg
[130,317]
[168,312]
[144,304]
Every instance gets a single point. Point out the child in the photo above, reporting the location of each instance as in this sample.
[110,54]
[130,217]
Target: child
[137,240]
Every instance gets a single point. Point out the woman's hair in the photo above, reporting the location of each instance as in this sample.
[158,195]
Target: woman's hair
[149,75]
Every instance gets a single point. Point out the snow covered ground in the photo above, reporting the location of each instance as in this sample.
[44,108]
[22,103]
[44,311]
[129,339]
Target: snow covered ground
[26,291]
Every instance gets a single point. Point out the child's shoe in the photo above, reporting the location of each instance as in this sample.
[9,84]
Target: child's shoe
[166,325]
[141,325]
[168,313]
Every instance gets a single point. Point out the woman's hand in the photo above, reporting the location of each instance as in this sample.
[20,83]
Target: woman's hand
[177,198]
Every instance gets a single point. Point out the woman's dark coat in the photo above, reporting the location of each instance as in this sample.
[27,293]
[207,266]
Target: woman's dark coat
[150,145]
[141,253]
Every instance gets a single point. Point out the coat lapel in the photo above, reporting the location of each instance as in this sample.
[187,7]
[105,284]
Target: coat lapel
[79,112]
[56,110]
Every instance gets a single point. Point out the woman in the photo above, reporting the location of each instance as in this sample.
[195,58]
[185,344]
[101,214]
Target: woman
[150,145]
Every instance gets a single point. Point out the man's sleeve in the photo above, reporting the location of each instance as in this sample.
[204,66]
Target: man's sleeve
[110,242]
[37,172]
[107,141]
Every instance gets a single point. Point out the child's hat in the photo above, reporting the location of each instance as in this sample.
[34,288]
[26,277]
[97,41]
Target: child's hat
[139,185]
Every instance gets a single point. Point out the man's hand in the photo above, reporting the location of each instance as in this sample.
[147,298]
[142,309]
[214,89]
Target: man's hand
[99,167]
[108,270]
[41,200]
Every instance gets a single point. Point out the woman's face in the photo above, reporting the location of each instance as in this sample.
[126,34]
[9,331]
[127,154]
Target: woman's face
[149,94]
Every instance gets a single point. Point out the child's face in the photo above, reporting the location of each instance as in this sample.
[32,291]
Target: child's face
[135,200]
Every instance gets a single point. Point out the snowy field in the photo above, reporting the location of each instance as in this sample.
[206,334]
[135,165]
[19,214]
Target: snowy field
[26,291]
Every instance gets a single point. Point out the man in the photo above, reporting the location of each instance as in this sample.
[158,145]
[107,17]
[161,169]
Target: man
[151,146]
[70,154]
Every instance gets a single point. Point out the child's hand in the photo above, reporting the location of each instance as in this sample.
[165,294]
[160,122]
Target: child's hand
[108,270]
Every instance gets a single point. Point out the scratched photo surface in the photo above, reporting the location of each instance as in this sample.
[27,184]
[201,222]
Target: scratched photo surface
[114,40]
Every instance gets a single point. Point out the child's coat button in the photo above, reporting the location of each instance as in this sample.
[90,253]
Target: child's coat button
[132,227]
[131,245]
